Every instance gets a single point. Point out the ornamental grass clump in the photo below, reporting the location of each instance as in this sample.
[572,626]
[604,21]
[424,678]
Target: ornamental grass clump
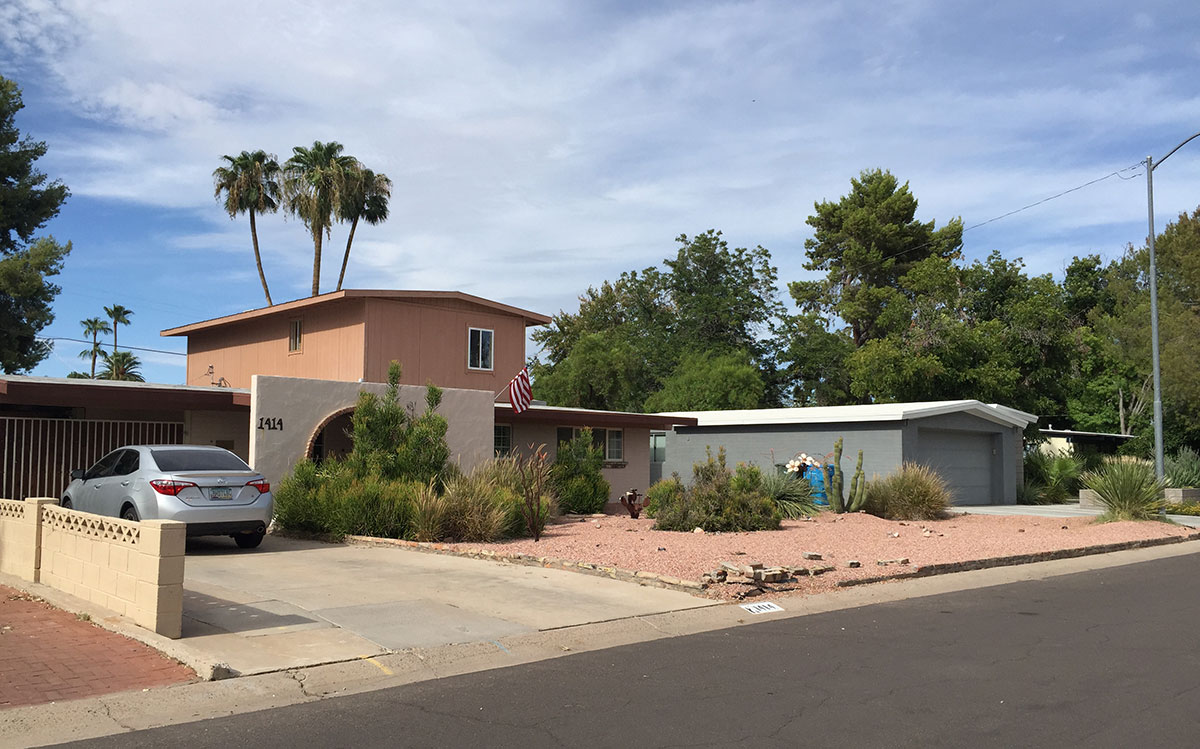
[793,496]
[1128,489]
[915,492]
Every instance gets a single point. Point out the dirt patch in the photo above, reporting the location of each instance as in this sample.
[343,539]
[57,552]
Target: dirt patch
[839,539]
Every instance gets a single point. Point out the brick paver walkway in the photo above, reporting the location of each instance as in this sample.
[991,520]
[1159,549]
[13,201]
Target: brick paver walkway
[49,655]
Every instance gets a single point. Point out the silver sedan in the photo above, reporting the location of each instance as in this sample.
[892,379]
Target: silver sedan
[209,488]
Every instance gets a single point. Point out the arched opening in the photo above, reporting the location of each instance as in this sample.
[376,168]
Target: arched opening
[334,438]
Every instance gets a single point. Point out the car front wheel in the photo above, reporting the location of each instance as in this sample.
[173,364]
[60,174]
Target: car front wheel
[130,513]
[65,503]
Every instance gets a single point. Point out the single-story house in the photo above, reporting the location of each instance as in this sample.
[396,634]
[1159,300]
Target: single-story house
[1062,440]
[976,447]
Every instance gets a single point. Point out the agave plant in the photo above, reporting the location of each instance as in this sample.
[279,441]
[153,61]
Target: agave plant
[1128,489]
[793,496]
[1183,469]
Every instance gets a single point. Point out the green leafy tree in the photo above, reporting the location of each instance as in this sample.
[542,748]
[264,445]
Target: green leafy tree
[28,200]
[314,180]
[94,327]
[710,382]
[629,335]
[119,316]
[864,244]
[364,197]
[121,365]
[250,184]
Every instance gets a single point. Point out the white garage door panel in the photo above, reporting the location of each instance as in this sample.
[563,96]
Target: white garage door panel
[965,460]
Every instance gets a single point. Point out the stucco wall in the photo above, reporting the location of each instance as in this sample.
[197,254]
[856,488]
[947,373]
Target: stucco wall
[286,412]
[1008,466]
[219,427]
[775,444]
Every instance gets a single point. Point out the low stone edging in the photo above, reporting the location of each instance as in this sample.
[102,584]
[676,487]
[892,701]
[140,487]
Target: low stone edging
[1010,561]
[641,577]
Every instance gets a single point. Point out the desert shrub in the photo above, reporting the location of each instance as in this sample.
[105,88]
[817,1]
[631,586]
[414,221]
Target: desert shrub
[1183,469]
[1182,508]
[575,477]
[478,509]
[915,492]
[1056,473]
[1128,489]
[330,499]
[1029,493]
[536,502]
[392,441]
[719,500]
[793,496]
[663,492]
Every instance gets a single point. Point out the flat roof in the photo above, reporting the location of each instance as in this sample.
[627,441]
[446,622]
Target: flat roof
[868,412]
[1074,433]
[70,391]
[530,318]
[582,417]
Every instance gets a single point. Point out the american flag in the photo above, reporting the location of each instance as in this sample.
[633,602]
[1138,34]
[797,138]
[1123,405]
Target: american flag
[520,393]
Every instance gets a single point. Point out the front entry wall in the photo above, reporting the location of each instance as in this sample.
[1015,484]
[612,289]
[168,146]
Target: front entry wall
[287,412]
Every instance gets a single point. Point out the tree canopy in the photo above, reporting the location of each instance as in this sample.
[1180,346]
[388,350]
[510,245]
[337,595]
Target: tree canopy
[28,200]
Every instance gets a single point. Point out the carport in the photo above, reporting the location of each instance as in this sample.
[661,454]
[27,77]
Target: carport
[976,447]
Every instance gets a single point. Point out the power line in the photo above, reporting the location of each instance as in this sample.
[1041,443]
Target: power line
[131,348]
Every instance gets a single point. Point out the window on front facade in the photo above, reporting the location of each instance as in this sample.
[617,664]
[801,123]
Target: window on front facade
[610,441]
[503,440]
[295,336]
[658,448]
[479,348]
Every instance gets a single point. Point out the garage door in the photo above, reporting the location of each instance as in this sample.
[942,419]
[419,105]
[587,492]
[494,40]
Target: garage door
[964,459]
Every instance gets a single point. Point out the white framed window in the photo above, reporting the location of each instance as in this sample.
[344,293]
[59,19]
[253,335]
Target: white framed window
[610,441]
[479,348]
[295,336]
[502,442]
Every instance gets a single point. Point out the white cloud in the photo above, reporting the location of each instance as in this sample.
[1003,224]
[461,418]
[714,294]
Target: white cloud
[538,147]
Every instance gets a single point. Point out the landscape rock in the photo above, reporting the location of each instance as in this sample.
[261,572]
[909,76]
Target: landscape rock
[697,530]
[810,555]
[853,564]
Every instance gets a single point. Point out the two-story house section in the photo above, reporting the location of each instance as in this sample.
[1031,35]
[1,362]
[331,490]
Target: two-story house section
[452,339]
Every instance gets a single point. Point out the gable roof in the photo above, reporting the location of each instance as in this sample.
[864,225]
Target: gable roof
[530,318]
[869,412]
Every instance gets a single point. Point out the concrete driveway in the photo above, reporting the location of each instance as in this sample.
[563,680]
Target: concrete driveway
[294,603]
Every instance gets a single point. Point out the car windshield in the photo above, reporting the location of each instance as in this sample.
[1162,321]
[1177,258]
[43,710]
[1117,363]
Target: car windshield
[182,459]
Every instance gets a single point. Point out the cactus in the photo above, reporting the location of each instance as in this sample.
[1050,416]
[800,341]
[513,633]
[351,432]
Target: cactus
[835,482]
[858,487]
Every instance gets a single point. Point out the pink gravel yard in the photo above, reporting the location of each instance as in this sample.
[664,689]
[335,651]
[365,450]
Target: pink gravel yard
[633,544]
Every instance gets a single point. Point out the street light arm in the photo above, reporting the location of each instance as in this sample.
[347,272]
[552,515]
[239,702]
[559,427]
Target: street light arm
[1173,150]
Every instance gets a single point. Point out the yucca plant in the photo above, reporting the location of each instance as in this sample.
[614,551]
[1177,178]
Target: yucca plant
[1128,488]
[1183,469]
[793,496]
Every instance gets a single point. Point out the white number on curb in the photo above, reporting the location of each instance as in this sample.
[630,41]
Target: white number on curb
[764,607]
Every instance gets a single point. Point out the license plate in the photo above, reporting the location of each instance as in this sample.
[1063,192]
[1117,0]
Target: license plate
[220,492]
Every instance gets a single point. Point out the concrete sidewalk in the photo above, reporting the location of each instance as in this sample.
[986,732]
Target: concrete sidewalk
[292,603]
[1057,511]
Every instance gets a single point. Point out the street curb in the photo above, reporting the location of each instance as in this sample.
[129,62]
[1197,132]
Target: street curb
[1011,561]
[206,669]
[641,577]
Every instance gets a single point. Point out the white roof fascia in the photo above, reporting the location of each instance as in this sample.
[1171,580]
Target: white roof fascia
[864,413]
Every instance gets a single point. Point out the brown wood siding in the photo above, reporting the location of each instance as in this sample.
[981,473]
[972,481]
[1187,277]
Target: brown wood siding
[332,346]
[430,342]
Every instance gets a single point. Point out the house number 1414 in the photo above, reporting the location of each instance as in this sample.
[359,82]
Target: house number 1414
[269,423]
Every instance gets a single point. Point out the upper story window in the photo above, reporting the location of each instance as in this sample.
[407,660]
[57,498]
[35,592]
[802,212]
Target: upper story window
[479,348]
[295,336]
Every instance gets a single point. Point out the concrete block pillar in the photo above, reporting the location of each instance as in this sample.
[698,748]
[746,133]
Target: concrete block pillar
[33,518]
[158,570]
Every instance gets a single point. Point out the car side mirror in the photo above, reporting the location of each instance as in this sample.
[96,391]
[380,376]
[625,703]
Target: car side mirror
[76,474]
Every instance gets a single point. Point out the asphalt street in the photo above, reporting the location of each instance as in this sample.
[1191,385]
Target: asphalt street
[1102,658]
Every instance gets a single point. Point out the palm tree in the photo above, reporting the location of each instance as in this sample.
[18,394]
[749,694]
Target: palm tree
[119,316]
[313,182]
[121,365]
[365,197]
[250,183]
[94,326]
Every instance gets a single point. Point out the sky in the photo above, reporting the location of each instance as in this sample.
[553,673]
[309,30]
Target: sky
[538,148]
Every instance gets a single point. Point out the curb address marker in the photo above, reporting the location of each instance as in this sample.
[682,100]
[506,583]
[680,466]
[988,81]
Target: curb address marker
[763,607]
